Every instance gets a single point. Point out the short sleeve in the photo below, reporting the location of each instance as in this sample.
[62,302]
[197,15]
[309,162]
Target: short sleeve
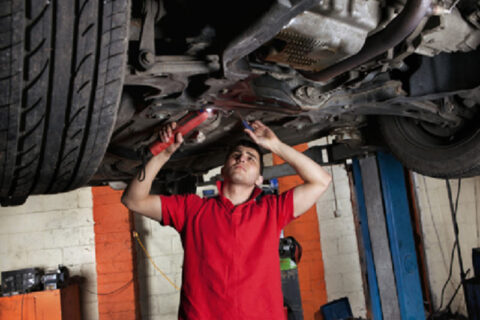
[178,208]
[282,207]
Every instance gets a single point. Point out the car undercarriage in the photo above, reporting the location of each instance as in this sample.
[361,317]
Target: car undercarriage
[394,75]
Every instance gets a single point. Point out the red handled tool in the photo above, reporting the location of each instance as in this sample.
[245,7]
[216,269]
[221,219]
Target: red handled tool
[186,124]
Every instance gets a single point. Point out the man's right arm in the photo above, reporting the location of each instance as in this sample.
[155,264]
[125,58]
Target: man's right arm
[137,196]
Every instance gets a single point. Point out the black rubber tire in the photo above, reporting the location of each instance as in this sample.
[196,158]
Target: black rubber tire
[62,65]
[427,154]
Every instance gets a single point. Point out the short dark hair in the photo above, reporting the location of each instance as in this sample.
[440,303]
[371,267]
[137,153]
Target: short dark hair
[248,144]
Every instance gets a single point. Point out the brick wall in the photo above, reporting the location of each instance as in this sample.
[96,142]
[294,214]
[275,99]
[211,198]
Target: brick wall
[158,298]
[438,233]
[339,243]
[50,230]
[115,256]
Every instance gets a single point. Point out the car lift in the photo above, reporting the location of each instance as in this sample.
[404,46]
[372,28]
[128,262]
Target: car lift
[391,262]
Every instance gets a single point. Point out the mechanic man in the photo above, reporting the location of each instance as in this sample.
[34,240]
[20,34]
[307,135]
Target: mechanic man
[231,264]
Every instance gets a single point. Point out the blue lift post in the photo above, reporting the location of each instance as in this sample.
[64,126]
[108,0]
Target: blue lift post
[400,237]
[402,245]
[370,265]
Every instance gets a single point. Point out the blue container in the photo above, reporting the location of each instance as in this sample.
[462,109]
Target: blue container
[472,287]
[476,262]
[337,310]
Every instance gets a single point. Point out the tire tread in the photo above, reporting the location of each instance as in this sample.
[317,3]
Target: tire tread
[62,115]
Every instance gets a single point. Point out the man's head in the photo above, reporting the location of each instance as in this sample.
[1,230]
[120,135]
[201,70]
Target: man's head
[243,163]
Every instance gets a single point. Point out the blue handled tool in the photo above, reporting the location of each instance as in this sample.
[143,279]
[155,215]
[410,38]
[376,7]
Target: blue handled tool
[244,122]
[246,125]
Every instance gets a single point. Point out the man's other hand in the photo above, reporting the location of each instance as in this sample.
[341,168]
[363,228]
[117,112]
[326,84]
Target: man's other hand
[166,133]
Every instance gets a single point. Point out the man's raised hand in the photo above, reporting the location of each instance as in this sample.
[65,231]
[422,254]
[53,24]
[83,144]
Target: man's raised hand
[263,135]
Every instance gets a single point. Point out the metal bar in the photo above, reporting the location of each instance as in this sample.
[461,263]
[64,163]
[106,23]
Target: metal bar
[185,65]
[378,233]
[335,154]
[376,307]
[402,245]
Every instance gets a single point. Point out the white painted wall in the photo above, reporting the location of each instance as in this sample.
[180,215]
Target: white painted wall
[159,300]
[339,243]
[50,230]
[338,240]
[439,237]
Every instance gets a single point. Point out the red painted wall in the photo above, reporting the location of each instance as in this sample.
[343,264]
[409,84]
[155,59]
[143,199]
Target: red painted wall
[115,255]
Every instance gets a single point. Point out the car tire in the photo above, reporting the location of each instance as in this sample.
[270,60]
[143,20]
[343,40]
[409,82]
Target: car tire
[422,151]
[62,66]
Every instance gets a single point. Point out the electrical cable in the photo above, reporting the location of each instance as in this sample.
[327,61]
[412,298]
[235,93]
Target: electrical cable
[111,292]
[453,210]
[463,275]
[434,224]
[455,293]
[135,235]
[143,156]
[449,275]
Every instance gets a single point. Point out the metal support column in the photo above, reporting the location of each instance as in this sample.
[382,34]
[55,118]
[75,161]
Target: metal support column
[393,277]
[376,306]
[378,234]
[400,232]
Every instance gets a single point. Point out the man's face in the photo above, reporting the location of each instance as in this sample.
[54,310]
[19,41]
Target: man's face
[243,167]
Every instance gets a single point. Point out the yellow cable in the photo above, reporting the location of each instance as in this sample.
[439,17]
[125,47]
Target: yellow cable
[135,235]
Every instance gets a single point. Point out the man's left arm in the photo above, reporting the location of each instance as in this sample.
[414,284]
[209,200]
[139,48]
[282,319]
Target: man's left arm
[316,179]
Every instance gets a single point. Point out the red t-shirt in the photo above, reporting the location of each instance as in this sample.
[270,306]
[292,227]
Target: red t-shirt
[231,266]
